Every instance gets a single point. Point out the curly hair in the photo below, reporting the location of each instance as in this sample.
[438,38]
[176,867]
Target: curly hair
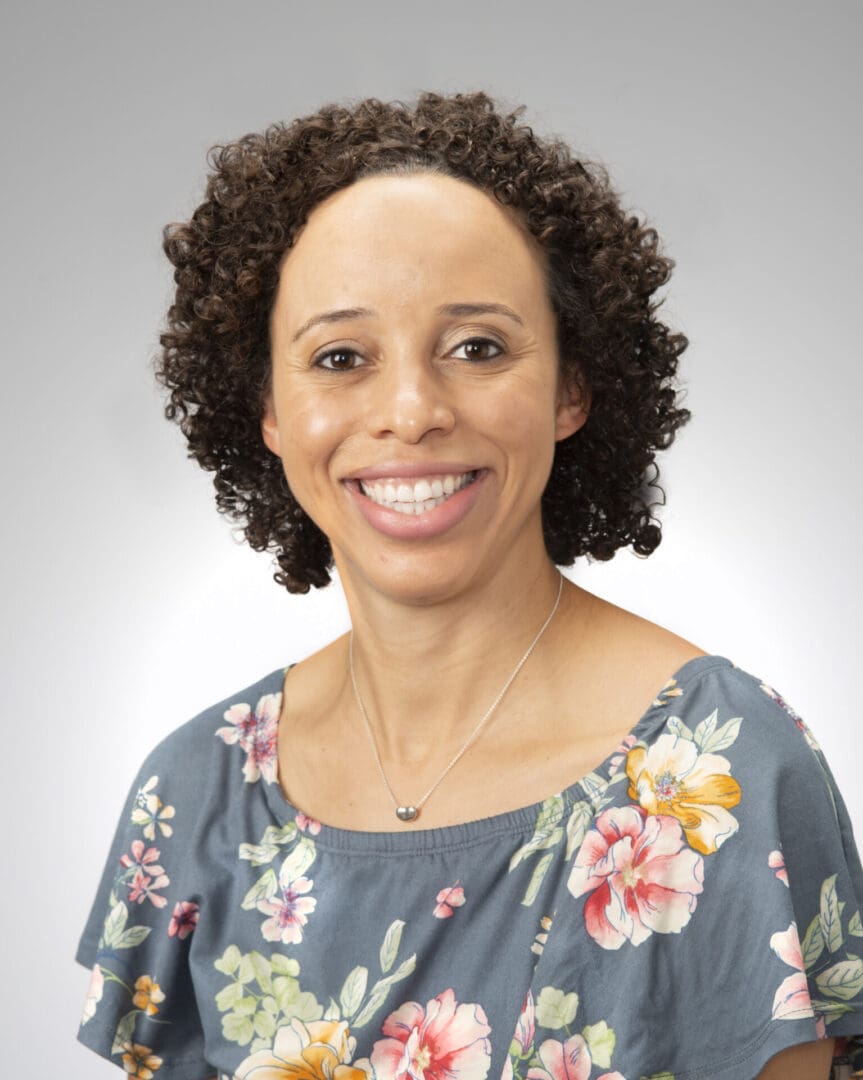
[602,268]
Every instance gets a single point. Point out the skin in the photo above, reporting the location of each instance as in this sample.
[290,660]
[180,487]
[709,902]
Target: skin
[457,610]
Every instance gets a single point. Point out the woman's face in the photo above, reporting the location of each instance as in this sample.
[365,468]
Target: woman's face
[394,393]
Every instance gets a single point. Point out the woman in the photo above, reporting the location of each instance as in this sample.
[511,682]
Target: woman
[502,827]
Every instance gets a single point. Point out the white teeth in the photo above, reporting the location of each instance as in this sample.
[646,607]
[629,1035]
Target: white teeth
[416,498]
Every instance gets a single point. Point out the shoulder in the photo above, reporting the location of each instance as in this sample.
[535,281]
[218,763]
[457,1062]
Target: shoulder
[724,705]
[188,755]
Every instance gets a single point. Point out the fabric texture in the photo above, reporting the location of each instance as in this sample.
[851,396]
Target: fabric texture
[684,912]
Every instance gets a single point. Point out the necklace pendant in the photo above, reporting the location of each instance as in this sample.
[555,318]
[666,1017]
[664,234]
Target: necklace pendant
[406,813]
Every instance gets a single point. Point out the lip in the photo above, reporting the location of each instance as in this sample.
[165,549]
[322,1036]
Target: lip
[425,526]
[411,469]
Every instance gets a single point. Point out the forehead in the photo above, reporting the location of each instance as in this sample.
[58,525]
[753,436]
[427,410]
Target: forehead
[421,237]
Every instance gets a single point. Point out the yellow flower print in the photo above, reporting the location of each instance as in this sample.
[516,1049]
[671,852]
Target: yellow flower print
[148,995]
[670,690]
[318,1050]
[671,777]
[150,812]
[140,1062]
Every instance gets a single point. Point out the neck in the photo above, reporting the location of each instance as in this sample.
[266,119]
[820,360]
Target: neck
[427,674]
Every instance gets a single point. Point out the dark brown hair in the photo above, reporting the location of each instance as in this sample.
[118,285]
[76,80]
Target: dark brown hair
[603,268]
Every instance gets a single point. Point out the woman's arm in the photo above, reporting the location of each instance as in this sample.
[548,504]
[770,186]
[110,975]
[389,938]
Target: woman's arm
[809,1061]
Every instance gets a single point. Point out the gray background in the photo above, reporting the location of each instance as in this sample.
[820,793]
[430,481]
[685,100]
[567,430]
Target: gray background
[733,127]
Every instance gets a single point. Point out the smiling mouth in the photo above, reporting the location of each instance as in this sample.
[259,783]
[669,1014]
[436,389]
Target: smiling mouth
[415,496]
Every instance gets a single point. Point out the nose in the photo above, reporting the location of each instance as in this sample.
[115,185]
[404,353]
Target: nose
[410,400]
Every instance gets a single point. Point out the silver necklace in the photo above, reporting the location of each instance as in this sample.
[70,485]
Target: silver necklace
[408,813]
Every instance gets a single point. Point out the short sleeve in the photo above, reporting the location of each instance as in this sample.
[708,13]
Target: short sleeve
[818,862]
[781,935]
[140,1010]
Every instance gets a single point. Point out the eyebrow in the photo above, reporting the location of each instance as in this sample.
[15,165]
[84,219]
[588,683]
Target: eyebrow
[342,314]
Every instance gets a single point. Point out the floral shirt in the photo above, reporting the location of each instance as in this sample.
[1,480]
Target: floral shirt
[684,912]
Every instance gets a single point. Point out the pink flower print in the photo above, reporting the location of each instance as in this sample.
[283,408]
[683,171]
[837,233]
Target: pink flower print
[562,1061]
[288,912]
[307,824]
[776,861]
[184,919]
[641,876]
[142,858]
[525,1029]
[94,993]
[447,900]
[256,732]
[791,1001]
[146,875]
[620,754]
[798,720]
[143,888]
[444,1041]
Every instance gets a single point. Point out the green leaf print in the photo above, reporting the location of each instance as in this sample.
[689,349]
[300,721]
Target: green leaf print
[577,826]
[705,729]
[600,1041]
[123,1034]
[293,1001]
[831,926]
[677,727]
[392,940]
[299,859]
[843,980]
[263,994]
[238,1029]
[261,969]
[133,936]
[723,737]
[115,923]
[115,933]
[555,1009]
[379,992]
[539,872]
[546,832]
[229,996]
[264,888]
[273,838]
[229,961]
[376,999]
[813,943]
[854,926]
[284,965]
[658,1076]
[831,1010]
[353,990]
[594,785]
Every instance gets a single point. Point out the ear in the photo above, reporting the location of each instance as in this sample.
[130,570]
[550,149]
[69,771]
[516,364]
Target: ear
[573,407]
[270,426]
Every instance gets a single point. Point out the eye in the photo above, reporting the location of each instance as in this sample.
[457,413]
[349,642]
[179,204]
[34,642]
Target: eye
[340,359]
[481,342]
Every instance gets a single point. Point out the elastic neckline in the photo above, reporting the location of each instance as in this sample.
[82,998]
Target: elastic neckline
[478,830]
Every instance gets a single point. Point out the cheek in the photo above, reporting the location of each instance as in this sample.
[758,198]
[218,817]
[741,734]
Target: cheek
[311,433]
[521,417]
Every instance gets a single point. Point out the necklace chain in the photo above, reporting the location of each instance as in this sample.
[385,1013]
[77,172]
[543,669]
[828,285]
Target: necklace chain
[408,812]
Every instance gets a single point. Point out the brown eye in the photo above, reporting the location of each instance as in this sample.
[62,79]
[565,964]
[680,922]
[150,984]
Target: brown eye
[476,345]
[337,360]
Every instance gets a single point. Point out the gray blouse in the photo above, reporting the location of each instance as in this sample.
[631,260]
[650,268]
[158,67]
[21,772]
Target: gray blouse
[684,912]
